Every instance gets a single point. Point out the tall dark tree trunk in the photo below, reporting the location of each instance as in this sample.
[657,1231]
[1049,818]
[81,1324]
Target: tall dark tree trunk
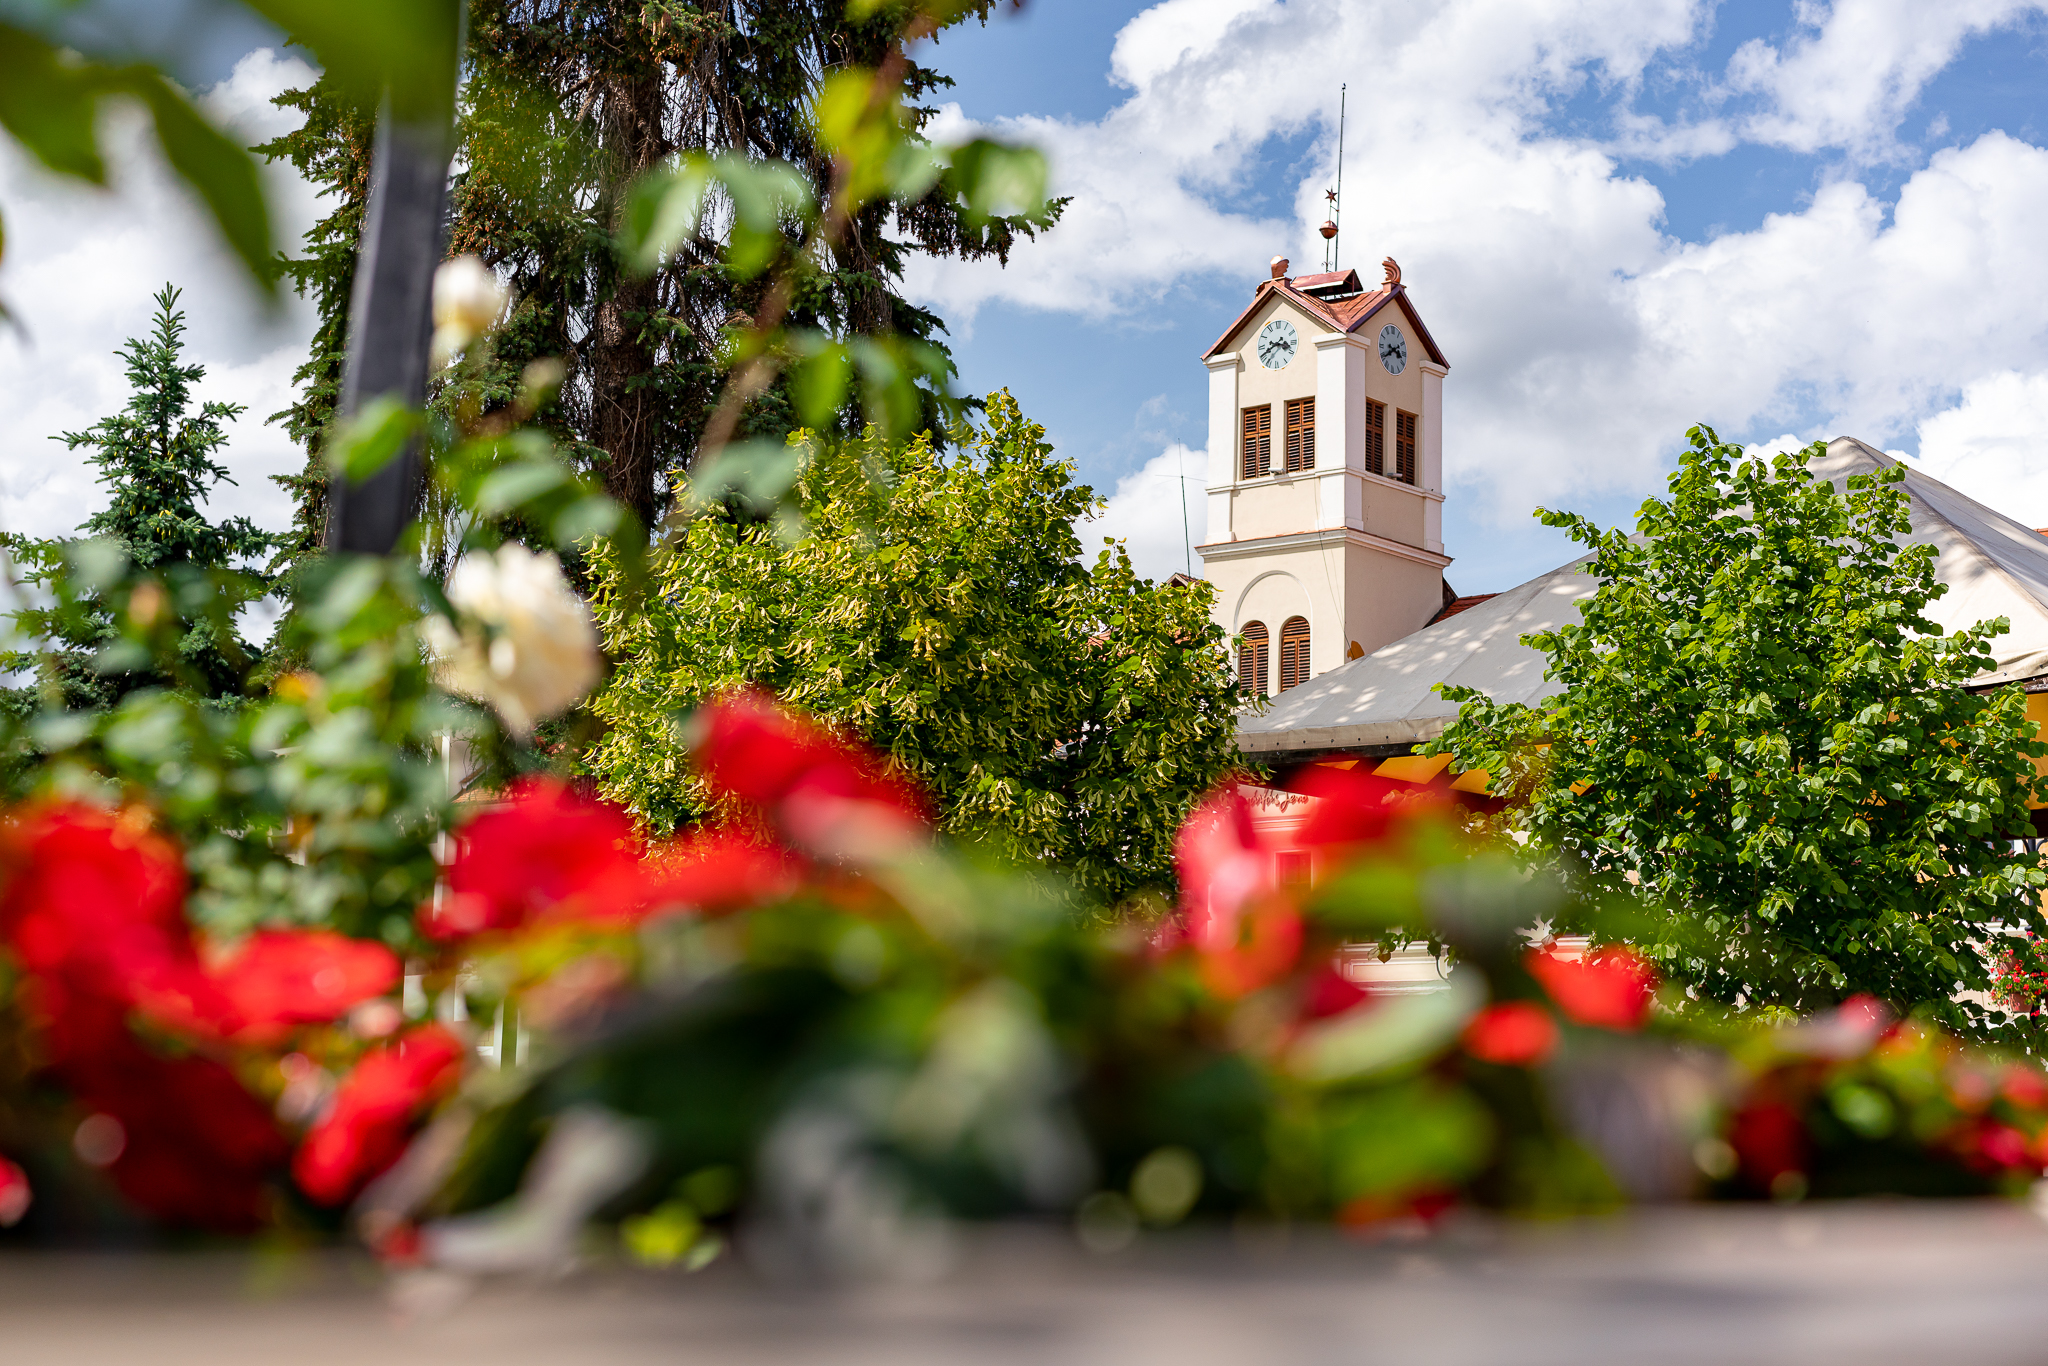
[625,408]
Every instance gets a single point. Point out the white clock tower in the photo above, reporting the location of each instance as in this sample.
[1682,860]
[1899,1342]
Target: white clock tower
[1325,474]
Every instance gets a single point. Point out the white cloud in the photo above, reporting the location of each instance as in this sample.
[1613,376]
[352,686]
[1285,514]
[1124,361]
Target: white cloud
[1583,338]
[1994,444]
[81,265]
[1854,68]
[1158,512]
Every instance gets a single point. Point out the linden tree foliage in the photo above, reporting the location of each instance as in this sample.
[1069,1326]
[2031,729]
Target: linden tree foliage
[941,608]
[1759,726]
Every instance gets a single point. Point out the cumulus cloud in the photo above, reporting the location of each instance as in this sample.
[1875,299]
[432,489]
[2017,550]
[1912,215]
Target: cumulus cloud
[1584,338]
[1994,444]
[1158,511]
[1853,68]
[81,265]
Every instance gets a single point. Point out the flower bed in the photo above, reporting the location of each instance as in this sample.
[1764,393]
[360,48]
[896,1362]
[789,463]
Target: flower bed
[821,1029]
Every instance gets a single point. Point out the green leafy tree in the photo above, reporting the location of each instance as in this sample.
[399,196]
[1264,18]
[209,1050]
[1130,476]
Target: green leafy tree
[941,609]
[157,458]
[1759,726]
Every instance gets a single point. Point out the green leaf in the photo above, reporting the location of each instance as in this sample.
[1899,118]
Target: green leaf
[50,103]
[371,439]
[767,197]
[517,485]
[997,178]
[368,48]
[663,211]
[221,170]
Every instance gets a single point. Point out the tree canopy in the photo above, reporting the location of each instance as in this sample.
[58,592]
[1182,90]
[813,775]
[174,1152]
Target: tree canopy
[1759,726]
[940,608]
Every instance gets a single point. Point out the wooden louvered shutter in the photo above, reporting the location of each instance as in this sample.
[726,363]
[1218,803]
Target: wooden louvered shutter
[1251,658]
[1404,447]
[1301,434]
[1293,652]
[1258,441]
[1375,437]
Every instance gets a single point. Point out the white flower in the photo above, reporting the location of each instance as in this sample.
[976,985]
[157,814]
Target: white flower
[527,646]
[468,301]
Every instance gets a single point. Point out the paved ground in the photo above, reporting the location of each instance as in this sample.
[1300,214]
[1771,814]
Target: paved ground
[1871,1285]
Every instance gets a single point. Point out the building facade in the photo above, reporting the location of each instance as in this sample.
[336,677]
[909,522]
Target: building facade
[1325,487]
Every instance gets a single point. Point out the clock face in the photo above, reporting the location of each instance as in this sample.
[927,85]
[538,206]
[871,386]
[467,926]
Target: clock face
[1393,349]
[1277,344]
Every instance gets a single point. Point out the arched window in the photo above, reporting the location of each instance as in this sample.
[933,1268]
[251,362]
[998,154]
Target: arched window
[1251,659]
[1293,652]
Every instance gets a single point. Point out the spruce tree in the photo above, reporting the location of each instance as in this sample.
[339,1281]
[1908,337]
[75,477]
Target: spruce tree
[151,561]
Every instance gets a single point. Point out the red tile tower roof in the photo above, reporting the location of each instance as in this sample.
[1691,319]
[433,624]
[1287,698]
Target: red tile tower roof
[1319,296]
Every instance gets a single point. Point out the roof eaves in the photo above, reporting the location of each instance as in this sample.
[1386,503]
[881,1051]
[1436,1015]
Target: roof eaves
[1258,297]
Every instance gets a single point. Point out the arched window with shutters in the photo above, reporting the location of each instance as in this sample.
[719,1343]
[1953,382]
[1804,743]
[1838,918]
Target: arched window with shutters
[1251,658]
[1293,652]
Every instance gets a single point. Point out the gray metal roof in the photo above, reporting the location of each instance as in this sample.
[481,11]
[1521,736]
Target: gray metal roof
[1993,566]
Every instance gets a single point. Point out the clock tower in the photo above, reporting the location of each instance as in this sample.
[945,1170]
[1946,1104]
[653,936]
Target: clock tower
[1325,474]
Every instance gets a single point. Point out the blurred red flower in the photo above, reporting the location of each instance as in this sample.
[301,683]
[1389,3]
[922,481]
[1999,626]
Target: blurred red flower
[15,1195]
[1512,1034]
[1769,1140]
[1609,988]
[2024,1086]
[1354,806]
[365,1129]
[97,898]
[545,846]
[1329,992]
[276,978]
[718,870]
[1245,934]
[826,791]
[1990,1147]
[196,1148]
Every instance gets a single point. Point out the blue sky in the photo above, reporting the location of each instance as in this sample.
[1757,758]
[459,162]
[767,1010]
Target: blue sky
[1792,220]
[1116,389]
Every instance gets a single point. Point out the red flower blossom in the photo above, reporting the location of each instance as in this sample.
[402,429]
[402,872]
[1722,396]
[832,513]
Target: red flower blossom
[1357,807]
[1372,1214]
[1609,988]
[95,897]
[1329,992]
[546,846]
[365,1129]
[15,1195]
[1245,933]
[196,1149]
[1769,1141]
[1512,1034]
[2025,1087]
[1221,861]
[1261,948]
[276,978]
[828,793]
[718,870]
[1991,1148]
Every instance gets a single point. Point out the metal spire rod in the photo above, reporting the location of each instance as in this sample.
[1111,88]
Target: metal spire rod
[1337,195]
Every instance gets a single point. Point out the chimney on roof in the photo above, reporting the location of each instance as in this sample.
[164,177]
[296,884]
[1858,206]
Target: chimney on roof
[1279,264]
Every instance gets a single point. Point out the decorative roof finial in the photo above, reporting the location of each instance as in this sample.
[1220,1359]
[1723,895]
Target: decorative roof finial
[1393,270]
[1279,264]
